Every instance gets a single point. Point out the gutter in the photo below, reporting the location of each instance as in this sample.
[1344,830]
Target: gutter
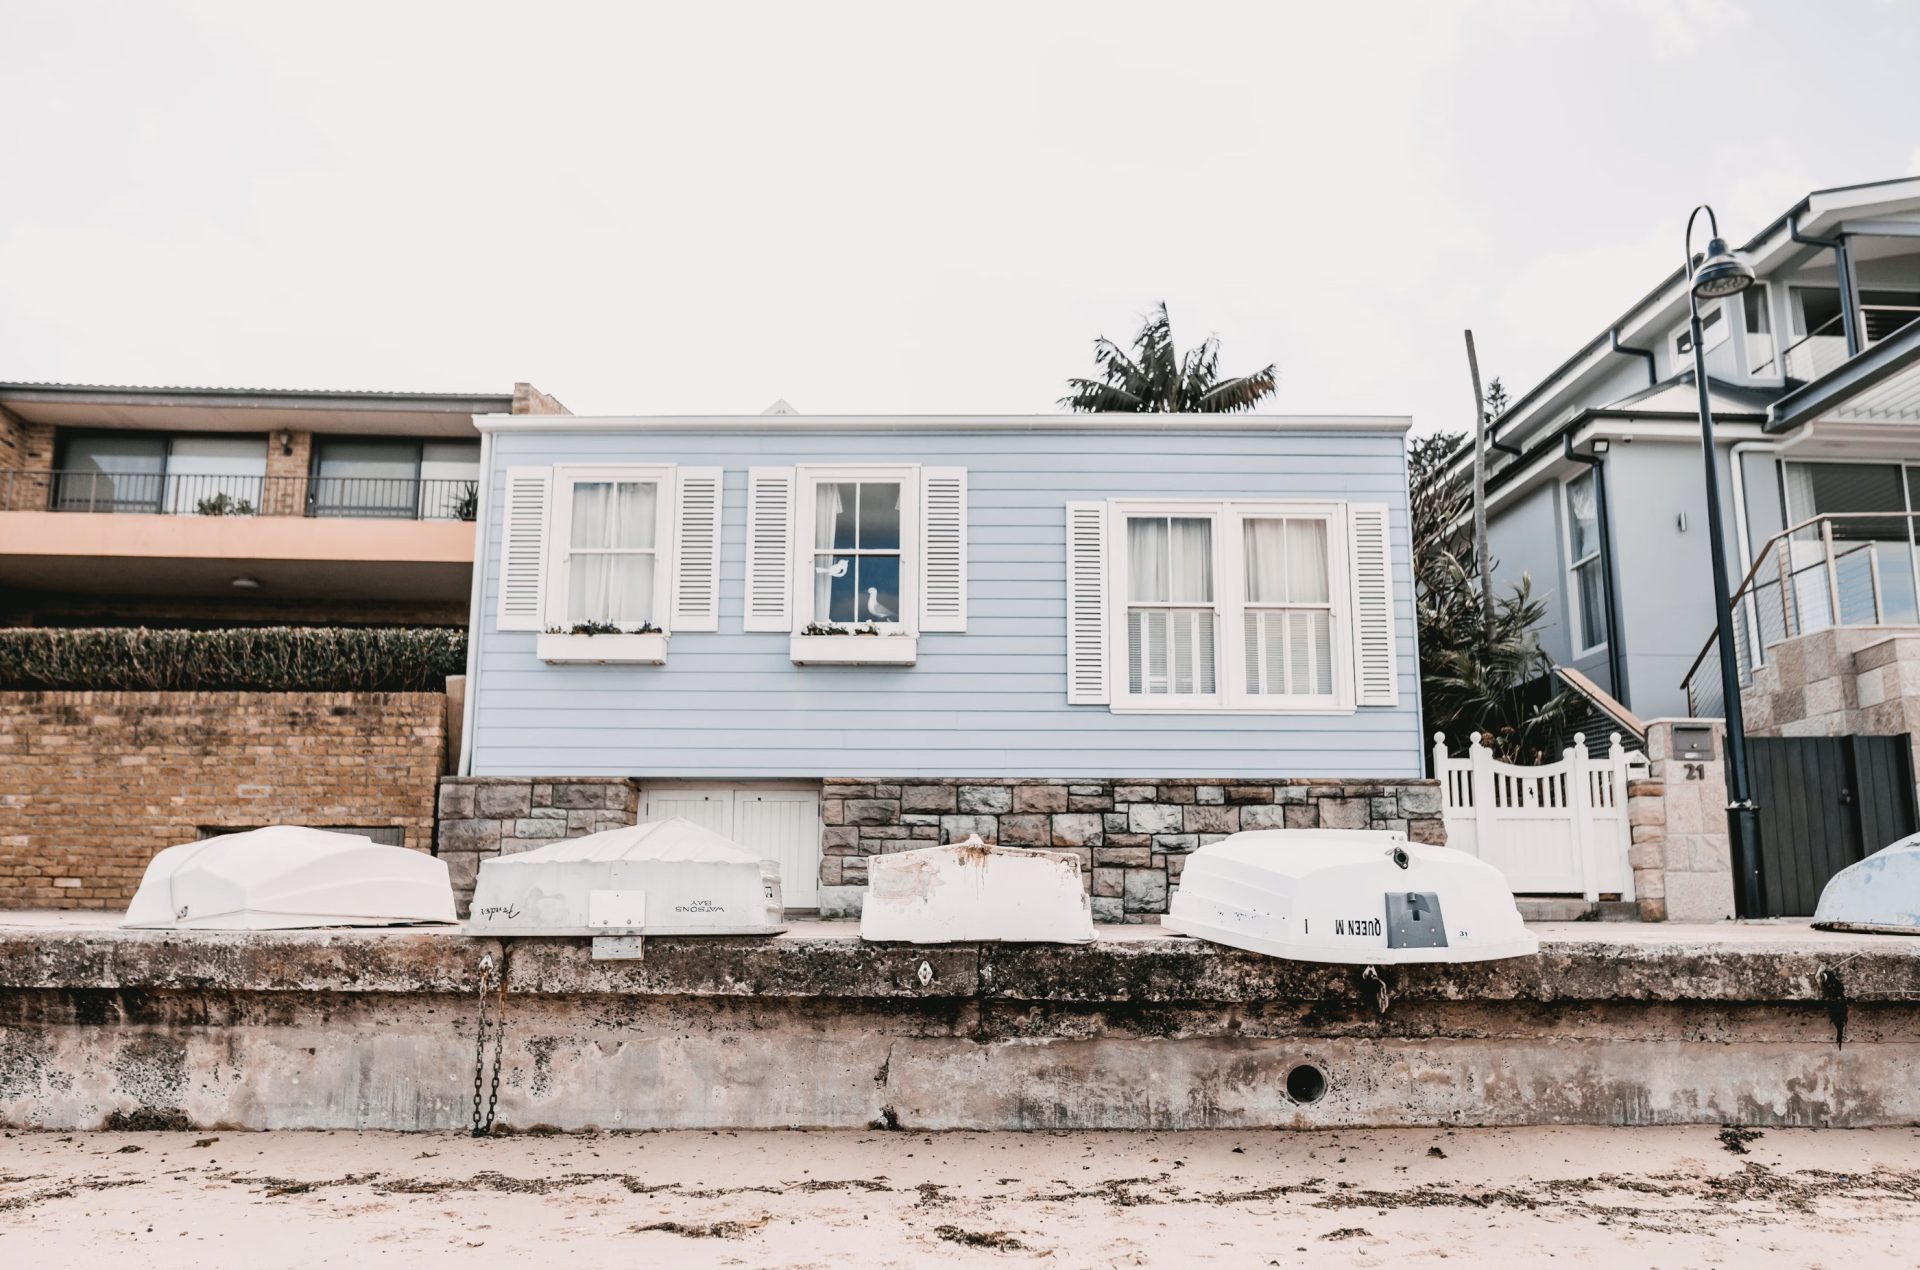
[1653,371]
[1616,663]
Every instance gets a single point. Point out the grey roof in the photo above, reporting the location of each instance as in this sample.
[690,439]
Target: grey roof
[465,403]
[1678,396]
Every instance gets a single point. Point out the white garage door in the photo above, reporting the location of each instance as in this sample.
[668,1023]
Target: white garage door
[780,824]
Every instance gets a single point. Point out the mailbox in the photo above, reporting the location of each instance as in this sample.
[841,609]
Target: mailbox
[1693,744]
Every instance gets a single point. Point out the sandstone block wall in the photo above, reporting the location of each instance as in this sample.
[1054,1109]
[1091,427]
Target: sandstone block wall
[485,816]
[94,784]
[1132,836]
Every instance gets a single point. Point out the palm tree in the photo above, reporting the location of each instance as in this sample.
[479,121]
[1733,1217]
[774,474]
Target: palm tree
[1155,379]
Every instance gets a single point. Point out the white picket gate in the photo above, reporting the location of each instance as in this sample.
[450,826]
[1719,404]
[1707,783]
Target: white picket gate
[1557,829]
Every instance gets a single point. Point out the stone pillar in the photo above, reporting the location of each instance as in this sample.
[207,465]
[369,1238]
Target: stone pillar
[1694,859]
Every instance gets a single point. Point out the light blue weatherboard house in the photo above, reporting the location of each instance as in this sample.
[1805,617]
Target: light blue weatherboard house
[1100,597]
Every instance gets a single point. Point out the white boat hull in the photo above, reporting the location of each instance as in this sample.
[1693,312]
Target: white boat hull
[1353,897]
[969,892]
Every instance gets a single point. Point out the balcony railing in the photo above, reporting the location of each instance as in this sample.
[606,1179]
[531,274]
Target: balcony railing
[1843,569]
[180,494]
[1824,348]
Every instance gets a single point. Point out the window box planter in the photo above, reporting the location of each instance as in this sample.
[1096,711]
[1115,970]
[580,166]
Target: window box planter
[594,650]
[855,650]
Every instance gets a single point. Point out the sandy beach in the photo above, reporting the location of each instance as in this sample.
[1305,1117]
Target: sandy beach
[1571,1196]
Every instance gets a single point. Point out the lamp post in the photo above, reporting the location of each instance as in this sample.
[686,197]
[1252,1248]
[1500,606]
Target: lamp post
[1721,273]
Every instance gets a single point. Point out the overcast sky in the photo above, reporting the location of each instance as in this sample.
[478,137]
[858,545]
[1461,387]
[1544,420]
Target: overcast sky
[894,207]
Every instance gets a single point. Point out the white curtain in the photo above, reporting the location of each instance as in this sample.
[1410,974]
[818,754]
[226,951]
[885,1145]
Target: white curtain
[1169,560]
[1584,532]
[613,540]
[1288,652]
[830,508]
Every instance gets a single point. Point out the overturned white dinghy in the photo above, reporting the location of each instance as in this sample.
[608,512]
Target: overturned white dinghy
[1879,895]
[970,891]
[286,877]
[661,877]
[1362,897]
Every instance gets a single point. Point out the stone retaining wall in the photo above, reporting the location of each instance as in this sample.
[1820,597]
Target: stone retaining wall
[482,816]
[1131,836]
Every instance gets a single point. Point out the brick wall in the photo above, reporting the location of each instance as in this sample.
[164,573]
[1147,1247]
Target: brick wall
[1132,837]
[25,447]
[93,784]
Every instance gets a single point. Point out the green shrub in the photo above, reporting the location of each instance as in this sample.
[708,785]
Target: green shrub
[268,659]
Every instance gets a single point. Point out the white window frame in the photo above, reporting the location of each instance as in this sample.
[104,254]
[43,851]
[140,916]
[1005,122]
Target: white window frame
[1575,623]
[1230,695]
[560,555]
[806,479]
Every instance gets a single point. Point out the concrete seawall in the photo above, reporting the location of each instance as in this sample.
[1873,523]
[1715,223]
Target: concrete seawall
[108,1028]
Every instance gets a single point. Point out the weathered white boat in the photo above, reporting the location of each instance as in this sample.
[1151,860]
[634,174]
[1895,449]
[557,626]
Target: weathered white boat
[1356,896]
[285,877]
[970,891]
[1879,895]
[661,877]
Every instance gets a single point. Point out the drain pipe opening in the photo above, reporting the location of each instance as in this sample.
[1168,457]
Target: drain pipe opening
[1306,1084]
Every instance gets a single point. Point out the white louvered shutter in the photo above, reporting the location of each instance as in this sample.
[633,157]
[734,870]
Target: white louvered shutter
[1086,604]
[769,605]
[1370,560]
[943,548]
[523,549]
[696,550]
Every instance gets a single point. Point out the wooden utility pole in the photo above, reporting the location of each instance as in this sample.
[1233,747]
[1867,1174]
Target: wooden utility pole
[1480,492]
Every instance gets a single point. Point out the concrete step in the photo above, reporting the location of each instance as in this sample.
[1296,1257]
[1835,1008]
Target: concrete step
[1571,908]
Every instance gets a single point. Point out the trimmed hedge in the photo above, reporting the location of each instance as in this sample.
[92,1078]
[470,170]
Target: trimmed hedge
[267,659]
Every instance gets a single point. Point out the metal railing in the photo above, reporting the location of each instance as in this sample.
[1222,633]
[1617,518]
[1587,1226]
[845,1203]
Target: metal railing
[182,494]
[1841,569]
[1824,348]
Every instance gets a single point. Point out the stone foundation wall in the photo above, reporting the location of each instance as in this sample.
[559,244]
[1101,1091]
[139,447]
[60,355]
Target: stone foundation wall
[1131,836]
[94,784]
[483,816]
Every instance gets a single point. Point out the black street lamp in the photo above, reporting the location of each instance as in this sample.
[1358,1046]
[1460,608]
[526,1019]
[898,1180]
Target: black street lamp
[1721,273]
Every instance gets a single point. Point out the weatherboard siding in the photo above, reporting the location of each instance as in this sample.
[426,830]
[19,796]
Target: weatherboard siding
[990,701]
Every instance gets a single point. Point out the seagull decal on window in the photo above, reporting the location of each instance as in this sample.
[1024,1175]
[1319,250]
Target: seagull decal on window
[876,610]
[838,569]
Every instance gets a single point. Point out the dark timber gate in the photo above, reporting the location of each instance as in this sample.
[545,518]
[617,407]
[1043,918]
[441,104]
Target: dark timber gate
[1825,802]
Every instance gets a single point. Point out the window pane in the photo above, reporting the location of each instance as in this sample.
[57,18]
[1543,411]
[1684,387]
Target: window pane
[834,503]
[833,588]
[1147,559]
[879,516]
[365,478]
[879,588]
[1307,561]
[1584,527]
[1266,550]
[610,588]
[216,475]
[1593,604]
[1190,552]
[1289,654]
[615,514]
[1754,301]
[1170,652]
[449,479]
[111,474]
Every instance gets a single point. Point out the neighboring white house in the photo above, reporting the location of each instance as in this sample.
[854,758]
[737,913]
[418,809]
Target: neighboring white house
[1597,485]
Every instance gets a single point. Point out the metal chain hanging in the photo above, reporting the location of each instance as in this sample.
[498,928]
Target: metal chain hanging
[483,1125]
